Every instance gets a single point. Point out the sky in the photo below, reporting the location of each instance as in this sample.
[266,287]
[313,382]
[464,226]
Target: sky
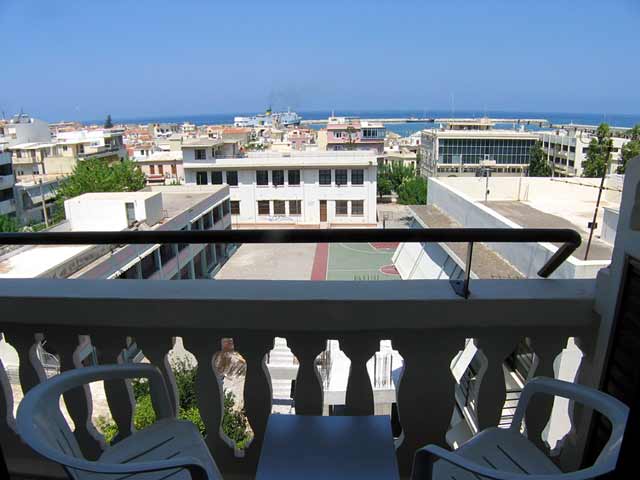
[79,60]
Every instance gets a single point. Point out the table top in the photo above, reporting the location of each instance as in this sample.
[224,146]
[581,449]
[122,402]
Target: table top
[315,447]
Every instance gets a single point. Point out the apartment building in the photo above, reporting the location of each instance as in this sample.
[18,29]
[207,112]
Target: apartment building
[59,156]
[567,150]
[347,133]
[157,208]
[7,180]
[162,167]
[23,129]
[297,188]
[467,148]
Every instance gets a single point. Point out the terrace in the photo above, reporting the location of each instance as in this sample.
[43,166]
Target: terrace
[427,321]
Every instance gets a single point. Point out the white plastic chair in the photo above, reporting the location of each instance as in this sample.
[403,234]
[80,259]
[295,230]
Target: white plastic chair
[169,449]
[505,454]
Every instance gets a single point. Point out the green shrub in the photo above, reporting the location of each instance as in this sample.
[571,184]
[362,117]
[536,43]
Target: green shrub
[234,422]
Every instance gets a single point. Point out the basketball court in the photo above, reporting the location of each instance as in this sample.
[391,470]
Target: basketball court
[354,261]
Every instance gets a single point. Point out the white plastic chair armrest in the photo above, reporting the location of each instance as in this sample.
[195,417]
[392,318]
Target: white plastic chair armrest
[616,411]
[427,456]
[193,464]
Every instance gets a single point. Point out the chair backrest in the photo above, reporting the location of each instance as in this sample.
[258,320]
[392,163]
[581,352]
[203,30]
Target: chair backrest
[616,411]
[41,423]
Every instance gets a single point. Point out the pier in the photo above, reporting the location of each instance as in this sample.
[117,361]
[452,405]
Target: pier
[540,122]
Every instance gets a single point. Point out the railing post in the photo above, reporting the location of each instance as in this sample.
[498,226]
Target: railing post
[461,287]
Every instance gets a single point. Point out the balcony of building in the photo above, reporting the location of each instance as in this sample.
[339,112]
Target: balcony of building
[427,322]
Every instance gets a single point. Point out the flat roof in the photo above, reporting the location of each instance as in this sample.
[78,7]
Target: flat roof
[527,216]
[201,142]
[493,133]
[306,159]
[485,263]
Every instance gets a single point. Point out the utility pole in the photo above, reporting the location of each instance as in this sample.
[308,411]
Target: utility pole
[592,226]
[44,206]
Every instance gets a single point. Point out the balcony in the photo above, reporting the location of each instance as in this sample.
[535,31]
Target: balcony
[7,206]
[6,181]
[426,321]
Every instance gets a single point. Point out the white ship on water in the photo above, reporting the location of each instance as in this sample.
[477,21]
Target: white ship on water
[269,119]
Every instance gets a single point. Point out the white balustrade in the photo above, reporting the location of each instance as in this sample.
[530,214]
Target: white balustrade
[426,323]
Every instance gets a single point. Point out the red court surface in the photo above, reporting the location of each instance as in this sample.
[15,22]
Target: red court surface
[319,270]
[389,270]
[384,245]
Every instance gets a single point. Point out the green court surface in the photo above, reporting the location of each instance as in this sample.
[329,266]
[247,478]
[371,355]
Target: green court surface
[360,261]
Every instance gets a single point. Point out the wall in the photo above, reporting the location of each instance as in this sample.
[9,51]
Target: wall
[527,258]
[309,192]
[87,213]
[609,225]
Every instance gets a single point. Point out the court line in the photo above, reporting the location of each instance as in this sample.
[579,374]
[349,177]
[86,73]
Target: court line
[347,247]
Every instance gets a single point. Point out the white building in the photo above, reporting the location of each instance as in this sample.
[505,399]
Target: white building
[158,208]
[300,188]
[567,150]
[464,147]
[23,129]
[7,180]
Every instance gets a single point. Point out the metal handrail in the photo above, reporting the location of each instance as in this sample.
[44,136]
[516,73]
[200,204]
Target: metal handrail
[570,239]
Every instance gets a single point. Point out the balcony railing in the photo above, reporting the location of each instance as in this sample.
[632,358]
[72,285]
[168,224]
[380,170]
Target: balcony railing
[426,322]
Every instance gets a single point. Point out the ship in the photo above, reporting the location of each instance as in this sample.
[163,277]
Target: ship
[270,119]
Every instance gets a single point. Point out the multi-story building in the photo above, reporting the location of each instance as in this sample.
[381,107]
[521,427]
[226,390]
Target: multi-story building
[23,129]
[60,156]
[567,150]
[162,167]
[36,198]
[158,208]
[300,188]
[465,148]
[302,138]
[7,180]
[345,133]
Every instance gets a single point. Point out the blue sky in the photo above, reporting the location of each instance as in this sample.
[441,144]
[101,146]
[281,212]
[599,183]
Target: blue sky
[82,59]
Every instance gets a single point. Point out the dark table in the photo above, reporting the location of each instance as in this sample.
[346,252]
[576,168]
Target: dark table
[313,447]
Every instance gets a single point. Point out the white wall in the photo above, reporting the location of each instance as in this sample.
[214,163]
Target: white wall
[92,212]
[527,258]
[609,225]
[309,192]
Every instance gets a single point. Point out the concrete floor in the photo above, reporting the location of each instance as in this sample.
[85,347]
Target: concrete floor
[527,216]
[272,261]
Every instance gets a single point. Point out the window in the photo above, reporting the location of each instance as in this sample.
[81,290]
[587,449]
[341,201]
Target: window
[263,207]
[216,215]
[341,177]
[225,208]
[161,169]
[294,177]
[152,169]
[295,207]
[277,177]
[216,178]
[201,154]
[325,177]
[232,177]
[206,221]
[342,207]
[174,170]
[201,178]
[235,207]
[278,207]
[357,208]
[262,177]
[357,177]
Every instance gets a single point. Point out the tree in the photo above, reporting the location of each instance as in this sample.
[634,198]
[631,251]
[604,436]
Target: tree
[398,173]
[597,156]
[8,224]
[384,184]
[538,165]
[631,149]
[352,137]
[108,123]
[97,175]
[413,191]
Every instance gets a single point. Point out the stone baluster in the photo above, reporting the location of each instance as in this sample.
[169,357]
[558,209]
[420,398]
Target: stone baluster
[359,348]
[210,396]
[308,392]
[547,345]
[64,342]
[119,393]
[257,391]
[156,349]
[496,347]
[426,391]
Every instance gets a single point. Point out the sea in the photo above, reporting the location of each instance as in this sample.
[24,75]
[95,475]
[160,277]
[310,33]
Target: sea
[404,129]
